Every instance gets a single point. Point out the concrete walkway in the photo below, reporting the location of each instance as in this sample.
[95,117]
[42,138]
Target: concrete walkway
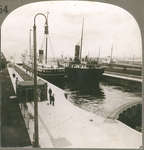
[67,126]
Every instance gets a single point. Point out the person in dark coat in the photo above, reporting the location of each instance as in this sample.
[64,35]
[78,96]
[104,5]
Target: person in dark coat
[52,99]
[50,93]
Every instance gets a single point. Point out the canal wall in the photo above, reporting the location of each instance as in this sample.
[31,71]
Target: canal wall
[13,130]
[132,117]
[67,126]
[123,108]
[131,81]
[129,113]
[124,69]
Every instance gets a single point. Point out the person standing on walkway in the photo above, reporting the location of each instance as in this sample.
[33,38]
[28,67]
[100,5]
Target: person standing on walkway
[50,92]
[53,99]
[50,99]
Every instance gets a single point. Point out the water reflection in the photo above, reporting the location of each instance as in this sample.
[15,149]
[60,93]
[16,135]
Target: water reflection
[88,96]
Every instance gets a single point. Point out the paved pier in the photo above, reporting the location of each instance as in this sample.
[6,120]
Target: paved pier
[67,126]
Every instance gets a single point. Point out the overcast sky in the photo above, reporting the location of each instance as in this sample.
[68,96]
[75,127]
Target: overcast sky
[104,25]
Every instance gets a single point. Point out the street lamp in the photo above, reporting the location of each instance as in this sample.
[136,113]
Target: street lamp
[36,132]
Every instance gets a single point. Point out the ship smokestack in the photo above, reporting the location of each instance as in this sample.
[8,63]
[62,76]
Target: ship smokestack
[77,54]
[41,56]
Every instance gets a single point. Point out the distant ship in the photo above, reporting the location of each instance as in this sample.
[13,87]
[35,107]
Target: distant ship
[51,70]
[83,72]
[52,73]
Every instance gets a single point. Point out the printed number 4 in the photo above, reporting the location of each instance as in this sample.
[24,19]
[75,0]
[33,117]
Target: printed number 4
[3,9]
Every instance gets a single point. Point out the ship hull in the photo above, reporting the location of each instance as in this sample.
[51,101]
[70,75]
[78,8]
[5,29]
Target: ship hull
[55,76]
[51,76]
[84,77]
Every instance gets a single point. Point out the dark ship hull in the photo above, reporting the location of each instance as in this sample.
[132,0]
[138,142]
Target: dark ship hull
[55,76]
[84,77]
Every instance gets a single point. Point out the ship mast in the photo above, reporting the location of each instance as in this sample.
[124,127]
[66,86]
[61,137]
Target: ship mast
[46,35]
[30,49]
[98,56]
[111,58]
[81,40]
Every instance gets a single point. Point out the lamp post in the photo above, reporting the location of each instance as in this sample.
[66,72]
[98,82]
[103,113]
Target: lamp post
[36,132]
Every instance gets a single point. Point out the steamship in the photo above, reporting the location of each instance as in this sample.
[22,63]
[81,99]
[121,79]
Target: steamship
[83,72]
[52,71]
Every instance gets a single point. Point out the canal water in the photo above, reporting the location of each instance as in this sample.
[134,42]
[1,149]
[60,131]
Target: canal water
[103,99]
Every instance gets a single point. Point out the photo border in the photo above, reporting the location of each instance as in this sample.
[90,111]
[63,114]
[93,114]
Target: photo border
[134,7]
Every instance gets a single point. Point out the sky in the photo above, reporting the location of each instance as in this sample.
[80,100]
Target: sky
[105,26]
